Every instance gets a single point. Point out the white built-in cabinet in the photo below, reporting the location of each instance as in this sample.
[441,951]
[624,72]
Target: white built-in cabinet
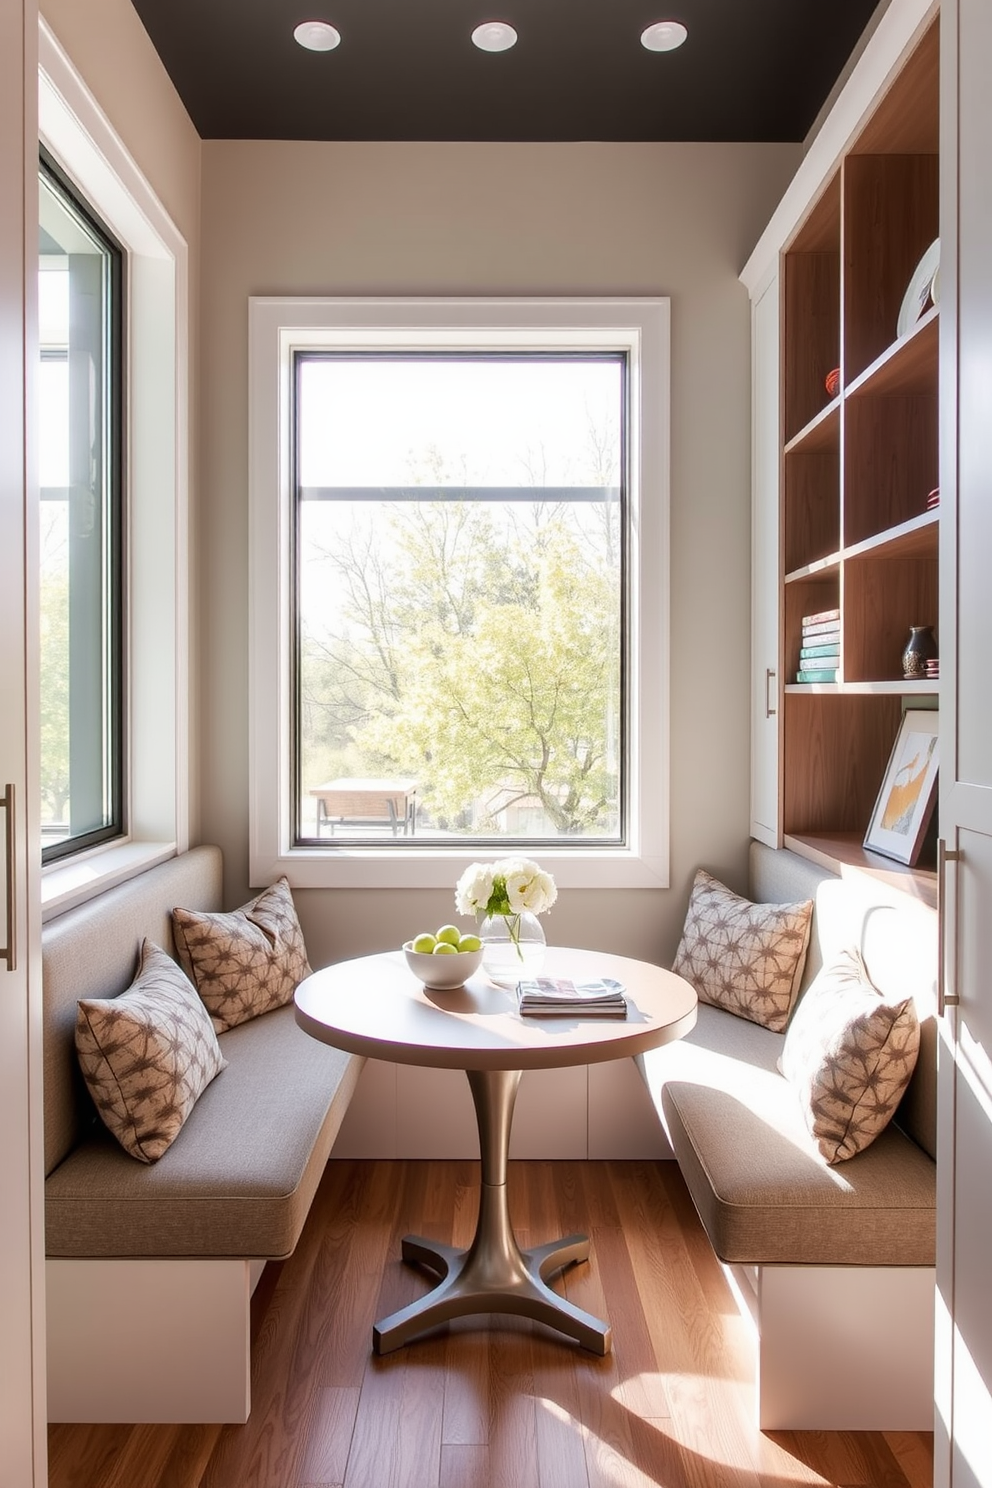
[22,1403]
[963,1456]
[765,457]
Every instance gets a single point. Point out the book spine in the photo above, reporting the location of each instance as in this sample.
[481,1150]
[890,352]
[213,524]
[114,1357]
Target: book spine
[831,650]
[820,617]
[827,629]
[823,675]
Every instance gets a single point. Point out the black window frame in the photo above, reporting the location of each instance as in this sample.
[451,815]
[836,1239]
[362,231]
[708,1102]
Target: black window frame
[117,825]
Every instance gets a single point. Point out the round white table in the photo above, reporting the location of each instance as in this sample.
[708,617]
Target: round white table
[375,1006]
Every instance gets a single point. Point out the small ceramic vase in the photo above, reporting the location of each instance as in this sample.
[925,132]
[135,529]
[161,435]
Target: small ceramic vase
[920,648]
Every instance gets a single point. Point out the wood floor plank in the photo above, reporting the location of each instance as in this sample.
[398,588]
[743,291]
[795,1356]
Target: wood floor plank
[642,1385]
[328,1437]
[81,1456]
[513,1461]
[913,1450]
[146,1454]
[464,1466]
[545,1414]
[704,1352]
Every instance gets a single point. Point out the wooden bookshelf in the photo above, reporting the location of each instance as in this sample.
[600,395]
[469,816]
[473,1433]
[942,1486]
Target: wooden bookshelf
[857,464]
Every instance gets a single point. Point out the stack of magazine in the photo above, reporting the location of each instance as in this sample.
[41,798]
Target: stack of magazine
[549,997]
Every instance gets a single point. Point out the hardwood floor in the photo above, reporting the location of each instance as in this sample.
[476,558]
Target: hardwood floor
[501,1406]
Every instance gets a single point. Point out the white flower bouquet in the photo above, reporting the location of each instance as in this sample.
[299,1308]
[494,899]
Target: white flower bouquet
[509,888]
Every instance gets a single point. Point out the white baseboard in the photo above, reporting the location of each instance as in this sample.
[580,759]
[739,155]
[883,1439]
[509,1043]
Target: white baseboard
[149,1341]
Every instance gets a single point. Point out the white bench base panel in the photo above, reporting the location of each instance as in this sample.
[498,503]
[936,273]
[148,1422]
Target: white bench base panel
[150,1341]
[841,1348]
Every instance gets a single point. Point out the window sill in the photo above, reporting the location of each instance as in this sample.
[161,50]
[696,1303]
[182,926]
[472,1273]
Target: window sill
[66,884]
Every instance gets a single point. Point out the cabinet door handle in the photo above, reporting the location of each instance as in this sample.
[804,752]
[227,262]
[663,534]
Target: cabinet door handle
[945,855]
[8,952]
[770,672]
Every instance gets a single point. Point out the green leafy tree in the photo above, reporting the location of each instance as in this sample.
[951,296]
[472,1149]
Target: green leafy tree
[480,655]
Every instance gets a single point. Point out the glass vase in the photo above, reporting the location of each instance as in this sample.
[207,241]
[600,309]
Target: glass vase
[512,947]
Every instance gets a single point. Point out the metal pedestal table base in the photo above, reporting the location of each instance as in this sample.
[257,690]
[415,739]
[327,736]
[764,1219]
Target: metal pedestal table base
[494,1274]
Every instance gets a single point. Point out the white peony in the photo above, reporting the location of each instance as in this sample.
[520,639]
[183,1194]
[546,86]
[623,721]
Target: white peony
[528,887]
[474,889]
[507,887]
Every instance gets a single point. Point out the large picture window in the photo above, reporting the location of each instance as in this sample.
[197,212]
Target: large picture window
[460,541]
[458,589]
[80,465]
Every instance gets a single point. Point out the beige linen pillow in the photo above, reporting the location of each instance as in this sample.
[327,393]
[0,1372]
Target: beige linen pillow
[849,1053]
[247,962]
[147,1055]
[743,957]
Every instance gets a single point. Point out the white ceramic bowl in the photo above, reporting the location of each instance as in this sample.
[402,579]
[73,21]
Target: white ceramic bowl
[442,973]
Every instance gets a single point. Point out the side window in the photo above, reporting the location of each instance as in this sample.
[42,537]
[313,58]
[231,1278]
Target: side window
[80,298]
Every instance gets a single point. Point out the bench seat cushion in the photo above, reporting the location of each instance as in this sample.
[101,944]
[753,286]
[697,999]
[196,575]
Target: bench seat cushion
[240,1176]
[763,1192]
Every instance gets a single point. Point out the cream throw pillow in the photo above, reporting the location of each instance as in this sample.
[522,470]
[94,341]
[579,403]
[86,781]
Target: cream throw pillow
[743,957]
[147,1055]
[849,1053]
[247,962]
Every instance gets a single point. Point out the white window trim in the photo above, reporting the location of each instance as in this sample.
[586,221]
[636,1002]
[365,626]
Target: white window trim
[77,133]
[277,328]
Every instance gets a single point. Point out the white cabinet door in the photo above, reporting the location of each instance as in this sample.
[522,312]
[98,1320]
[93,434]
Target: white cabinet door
[765,457]
[22,1414]
[963,1456]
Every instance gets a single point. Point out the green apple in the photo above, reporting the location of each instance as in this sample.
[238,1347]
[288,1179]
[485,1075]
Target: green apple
[470,943]
[444,948]
[449,935]
[425,943]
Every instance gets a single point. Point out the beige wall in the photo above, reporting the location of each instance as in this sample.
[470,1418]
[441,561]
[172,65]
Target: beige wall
[499,219]
[111,51]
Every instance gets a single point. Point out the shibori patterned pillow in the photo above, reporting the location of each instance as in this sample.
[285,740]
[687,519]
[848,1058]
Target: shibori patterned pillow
[147,1055]
[247,962]
[849,1053]
[745,958]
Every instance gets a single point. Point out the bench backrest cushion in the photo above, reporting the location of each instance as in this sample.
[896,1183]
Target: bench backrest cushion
[897,938]
[92,951]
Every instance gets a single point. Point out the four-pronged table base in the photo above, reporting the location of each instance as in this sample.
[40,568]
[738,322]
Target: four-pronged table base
[494,1274]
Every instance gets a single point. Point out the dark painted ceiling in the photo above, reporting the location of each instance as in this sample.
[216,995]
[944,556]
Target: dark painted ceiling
[407,69]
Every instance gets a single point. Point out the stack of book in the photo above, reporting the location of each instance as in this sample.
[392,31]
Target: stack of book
[819,655]
[557,997]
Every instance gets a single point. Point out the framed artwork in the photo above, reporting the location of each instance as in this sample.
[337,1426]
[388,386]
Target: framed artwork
[906,800]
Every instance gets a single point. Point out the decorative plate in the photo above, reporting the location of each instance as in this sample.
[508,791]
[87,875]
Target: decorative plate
[918,292]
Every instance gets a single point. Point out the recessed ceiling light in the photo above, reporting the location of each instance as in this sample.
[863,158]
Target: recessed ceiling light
[494,36]
[317,36]
[664,36]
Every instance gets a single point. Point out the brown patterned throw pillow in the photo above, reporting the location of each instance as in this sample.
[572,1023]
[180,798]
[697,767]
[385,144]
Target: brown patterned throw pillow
[246,962]
[147,1055]
[743,957]
[849,1053]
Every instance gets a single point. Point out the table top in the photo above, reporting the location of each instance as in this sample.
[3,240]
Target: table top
[375,1006]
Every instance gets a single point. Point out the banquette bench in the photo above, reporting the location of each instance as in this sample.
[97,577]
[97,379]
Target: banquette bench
[834,1263]
[151,1267]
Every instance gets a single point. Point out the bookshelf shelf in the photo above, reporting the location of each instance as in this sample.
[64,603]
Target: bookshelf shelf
[844,854]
